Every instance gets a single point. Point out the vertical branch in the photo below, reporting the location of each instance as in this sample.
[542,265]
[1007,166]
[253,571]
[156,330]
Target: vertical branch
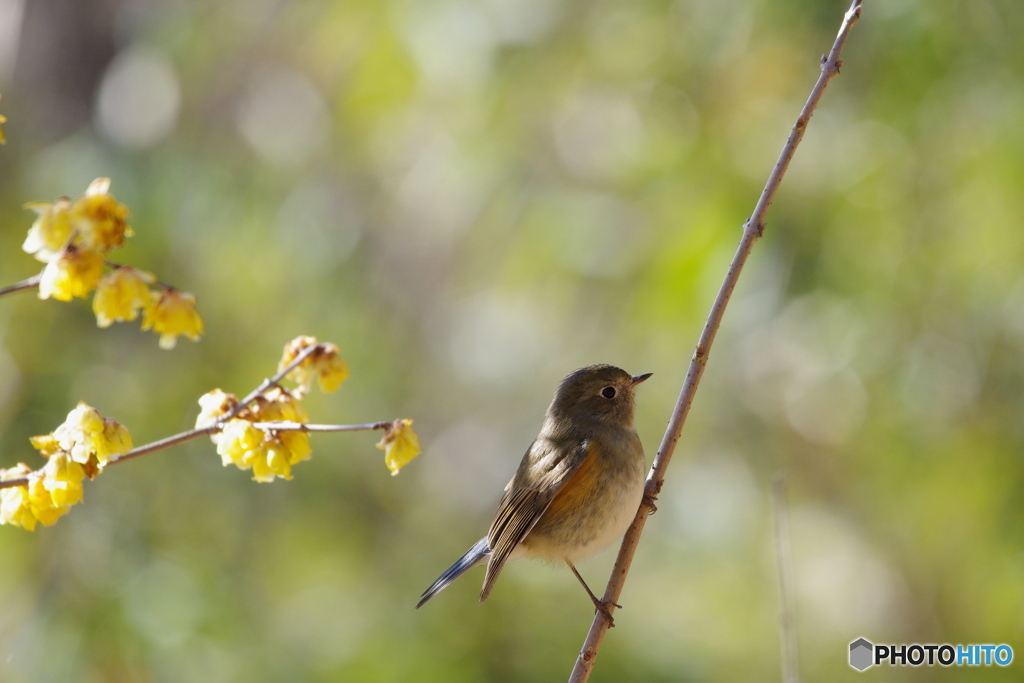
[752,230]
[787,599]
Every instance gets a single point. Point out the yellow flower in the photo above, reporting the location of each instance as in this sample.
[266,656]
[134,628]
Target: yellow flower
[400,445]
[85,435]
[15,506]
[325,364]
[120,295]
[279,404]
[50,231]
[62,477]
[212,405]
[41,502]
[297,444]
[172,314]
[239,443]
[74,272]
[98,219]
[269,454]
[116,440]
[271,463]
[46,444]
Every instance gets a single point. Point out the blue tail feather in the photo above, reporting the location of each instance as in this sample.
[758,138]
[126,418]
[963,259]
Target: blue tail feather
[475,555]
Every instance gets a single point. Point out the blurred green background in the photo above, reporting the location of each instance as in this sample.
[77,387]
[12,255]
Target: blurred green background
[473,198]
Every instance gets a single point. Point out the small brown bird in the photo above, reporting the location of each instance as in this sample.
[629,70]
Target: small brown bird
[577,488]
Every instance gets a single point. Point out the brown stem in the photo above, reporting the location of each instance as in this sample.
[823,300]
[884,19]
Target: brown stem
[28,283]
[267,383]
[752,230]
[302,427]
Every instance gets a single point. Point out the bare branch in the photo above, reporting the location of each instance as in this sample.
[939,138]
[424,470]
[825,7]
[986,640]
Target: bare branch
[284,426]
[752,230]
[28,283]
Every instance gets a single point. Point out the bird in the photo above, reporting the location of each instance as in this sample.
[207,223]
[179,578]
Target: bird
[577,489]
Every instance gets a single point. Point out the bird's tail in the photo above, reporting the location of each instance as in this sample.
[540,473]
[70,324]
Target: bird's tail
[475,555]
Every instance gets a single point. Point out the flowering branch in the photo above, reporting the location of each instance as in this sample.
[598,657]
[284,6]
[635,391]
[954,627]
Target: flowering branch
[73,239]
[266,432]
[753,228]
[176,439]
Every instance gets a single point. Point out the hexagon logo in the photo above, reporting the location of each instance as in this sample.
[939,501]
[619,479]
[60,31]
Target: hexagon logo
[861,651]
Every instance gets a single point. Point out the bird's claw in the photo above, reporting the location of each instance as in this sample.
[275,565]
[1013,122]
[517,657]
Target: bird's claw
[605,609]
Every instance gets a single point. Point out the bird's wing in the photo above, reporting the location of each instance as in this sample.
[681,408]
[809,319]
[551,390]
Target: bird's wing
[545,468]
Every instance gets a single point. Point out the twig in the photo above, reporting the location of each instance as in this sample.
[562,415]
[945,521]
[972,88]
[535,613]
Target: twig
[752,230]
[268,383]
[787,600]
[302,427]
[28,283]
[114,265]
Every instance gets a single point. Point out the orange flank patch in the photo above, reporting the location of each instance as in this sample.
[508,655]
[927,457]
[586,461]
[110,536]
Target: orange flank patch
[578,489]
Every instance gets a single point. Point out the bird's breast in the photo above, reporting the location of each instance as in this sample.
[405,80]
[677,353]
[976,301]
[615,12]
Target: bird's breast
[594,507]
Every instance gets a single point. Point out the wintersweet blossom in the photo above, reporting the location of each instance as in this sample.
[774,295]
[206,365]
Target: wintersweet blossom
[86,435]
[121,294]
[62,479]
[239,443]
[268,453]
[47,496]
[15,507]
[173,313]
[98,219]
[400,445]
[73,272]
[273,462]
[279,404]
[212,405]
[325,364]
[50,231]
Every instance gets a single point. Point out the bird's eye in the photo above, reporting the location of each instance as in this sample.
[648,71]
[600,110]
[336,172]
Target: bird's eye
[608,392]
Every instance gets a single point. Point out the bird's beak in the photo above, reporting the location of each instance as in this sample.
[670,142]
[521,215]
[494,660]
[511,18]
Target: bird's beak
[640,378]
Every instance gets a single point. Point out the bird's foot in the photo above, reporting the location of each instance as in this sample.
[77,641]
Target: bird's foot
[605,609]
[649,499]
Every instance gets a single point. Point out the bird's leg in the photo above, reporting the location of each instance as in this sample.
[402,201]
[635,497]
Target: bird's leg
[601,606]
[651,492]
